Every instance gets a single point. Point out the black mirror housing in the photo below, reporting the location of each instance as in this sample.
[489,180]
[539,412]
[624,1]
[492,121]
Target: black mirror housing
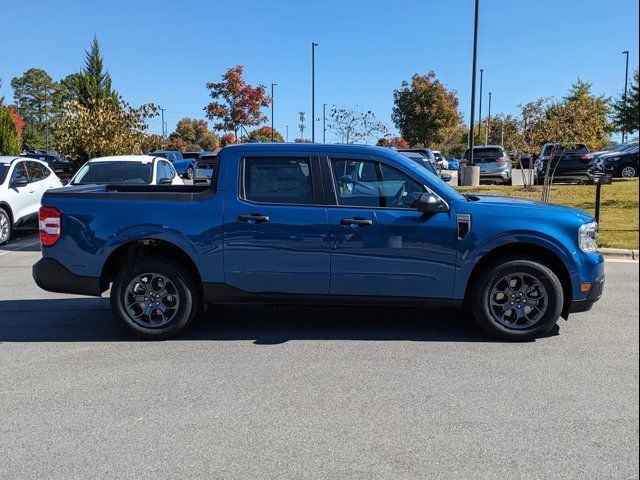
[430,203]
[446,177]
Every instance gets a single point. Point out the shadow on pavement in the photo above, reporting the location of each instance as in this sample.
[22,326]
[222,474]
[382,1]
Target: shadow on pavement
[90,320]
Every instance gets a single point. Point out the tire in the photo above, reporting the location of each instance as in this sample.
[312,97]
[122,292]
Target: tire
[162,274]
[544,307]
[508,182]
[190,173]
[5,226]
[628,171]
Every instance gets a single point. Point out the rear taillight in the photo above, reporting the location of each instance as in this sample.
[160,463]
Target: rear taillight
[586,158]
[50,223]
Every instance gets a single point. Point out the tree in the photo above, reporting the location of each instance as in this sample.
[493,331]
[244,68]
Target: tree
[425,111]
[192,134]
[34,95]
[355,126]
[104,128]
[263,134]
[9,138]
[626,112]
[580,117]
[93,83]
[235,103]
[456,143]
[227,139]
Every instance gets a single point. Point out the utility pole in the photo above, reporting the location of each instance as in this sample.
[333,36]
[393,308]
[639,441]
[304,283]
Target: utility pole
[487,130]
[626,80]
[287,134]
[313,91]
[480,107]
[471,173]
[164,133]
[324,123]
[46,119]
[272,102]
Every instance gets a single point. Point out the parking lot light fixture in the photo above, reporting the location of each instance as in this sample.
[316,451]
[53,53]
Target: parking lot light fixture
[272,107]
[313,91]
[471,173]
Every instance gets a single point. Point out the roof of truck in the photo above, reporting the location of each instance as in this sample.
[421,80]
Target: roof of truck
[307,147]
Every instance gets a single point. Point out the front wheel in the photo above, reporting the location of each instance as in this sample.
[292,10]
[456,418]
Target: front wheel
[5,226]
[154,297]
[517,299]
[190,173]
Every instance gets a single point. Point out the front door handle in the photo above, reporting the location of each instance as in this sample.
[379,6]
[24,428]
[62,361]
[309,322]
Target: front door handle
[253,218]
[355,222]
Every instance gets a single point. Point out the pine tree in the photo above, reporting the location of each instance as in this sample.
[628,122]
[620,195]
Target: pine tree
[626,112]
[94,83]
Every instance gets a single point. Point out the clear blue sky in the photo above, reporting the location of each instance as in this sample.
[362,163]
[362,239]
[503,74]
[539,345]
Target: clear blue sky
[165,51]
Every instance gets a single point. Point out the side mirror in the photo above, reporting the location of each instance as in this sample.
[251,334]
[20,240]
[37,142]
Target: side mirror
[446,177]
[430,203]
[165,181]
[20,182]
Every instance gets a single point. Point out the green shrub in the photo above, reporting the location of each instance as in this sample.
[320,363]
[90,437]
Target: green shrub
[9,138]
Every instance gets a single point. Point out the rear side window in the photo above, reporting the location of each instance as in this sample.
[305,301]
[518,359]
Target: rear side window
[277,180]
[37,172]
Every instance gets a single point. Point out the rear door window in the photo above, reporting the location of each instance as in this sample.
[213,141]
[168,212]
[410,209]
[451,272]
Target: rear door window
[278,180]
[20,171]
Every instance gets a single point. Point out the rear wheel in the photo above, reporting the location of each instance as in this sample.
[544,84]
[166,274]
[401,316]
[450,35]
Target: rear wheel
[517,298]
[154,297]
[190,173]
[628,171]
[5,226]
[509,182]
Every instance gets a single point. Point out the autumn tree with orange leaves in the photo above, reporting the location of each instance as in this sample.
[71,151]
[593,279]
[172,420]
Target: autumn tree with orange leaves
[235,104]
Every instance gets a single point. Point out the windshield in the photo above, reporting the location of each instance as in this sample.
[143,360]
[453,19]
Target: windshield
[4,169]
[135,173]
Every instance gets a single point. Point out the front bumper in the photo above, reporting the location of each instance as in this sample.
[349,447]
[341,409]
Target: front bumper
[594,295]
[52,276]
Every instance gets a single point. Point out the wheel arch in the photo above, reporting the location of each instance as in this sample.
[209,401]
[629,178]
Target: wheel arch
[546,256]
[5,206]
[141,248]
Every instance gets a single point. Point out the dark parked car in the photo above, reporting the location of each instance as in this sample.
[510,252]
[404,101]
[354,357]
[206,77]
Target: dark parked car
[63,168]
[424,162]
[425,152]
[495,164]
[621,161]
[569,163]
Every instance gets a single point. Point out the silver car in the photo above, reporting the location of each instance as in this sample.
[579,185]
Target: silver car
[495,164]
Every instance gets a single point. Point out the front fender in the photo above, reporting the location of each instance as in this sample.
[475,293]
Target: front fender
[471,253]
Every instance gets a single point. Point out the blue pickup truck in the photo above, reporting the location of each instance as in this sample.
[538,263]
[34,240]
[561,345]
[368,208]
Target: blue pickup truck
[185,167]
[315,224]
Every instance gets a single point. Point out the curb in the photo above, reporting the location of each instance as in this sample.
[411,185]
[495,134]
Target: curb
[619,253]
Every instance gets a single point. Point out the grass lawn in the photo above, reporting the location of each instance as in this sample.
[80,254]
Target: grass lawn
[618,210]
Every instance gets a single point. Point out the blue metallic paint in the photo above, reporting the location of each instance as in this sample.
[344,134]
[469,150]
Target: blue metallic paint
[296,253]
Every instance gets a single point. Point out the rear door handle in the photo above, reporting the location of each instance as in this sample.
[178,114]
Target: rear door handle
[253,218]
[355,222]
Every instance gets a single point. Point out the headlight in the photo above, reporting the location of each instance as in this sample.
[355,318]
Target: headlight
[612,160]
[588,237]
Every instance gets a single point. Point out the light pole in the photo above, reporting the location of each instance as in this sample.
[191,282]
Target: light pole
[164,135]
[626,79]
[471,173]
[272,102]
[46,119]
[480,107]
[324,123]
[313,91]
[487,130]
[287,133]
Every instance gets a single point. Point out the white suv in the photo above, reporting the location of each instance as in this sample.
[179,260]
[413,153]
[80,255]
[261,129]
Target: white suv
[22,183]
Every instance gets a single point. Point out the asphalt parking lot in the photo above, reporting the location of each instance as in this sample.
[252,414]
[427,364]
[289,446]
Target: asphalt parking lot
[312,392]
